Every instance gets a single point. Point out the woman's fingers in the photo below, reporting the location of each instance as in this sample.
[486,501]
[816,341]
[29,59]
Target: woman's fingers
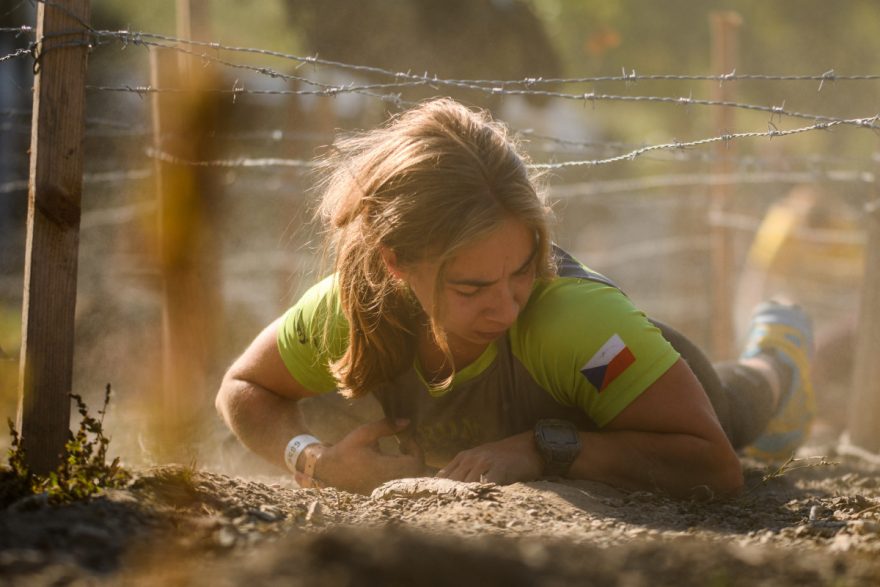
[356,463]
[304,481]
[503,461]
[466,467]
[448,471]
[371,432]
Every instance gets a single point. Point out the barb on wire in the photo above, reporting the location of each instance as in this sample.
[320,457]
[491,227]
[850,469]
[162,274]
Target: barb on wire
[683,145]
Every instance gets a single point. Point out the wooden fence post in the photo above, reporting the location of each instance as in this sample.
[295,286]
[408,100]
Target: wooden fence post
[188,255]
[54,207]
[724,27]
[864,415]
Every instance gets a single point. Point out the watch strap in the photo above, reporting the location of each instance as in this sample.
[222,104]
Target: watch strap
[557,455]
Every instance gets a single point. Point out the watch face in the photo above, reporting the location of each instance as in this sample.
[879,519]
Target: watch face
[559,445]
[560,434]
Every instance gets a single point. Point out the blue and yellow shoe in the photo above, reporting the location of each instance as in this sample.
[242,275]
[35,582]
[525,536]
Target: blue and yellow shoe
[784,332]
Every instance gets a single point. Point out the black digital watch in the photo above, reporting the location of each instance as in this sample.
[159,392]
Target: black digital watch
[558,443]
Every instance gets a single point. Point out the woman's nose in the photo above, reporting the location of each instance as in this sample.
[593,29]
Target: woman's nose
[506,307]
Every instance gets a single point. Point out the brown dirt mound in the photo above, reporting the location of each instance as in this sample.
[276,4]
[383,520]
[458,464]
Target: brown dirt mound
[812,524]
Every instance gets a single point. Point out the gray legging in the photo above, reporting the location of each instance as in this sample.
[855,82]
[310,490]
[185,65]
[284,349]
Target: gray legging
[741,396]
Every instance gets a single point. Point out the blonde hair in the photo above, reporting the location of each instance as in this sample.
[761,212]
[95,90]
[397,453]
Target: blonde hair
[429,182]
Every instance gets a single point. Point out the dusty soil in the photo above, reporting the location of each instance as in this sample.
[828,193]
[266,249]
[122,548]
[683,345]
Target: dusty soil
[814,523]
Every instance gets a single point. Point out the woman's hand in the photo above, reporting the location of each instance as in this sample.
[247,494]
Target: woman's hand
[505,461]
[356,464]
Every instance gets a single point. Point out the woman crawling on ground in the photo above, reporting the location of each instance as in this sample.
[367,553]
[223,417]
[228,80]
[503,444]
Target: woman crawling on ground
[495,355]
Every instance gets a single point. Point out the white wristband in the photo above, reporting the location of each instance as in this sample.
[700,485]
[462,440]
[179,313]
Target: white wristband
[295,447]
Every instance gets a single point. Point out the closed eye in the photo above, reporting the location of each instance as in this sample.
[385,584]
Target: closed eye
[469,292]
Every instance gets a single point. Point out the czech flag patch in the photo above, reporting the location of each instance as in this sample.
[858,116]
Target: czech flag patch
[609,361]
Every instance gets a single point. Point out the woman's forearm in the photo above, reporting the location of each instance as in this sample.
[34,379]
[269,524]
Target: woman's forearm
[263,421]
[681,465]
[668,439]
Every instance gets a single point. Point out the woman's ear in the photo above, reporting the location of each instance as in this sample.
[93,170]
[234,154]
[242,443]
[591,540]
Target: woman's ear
[389,257]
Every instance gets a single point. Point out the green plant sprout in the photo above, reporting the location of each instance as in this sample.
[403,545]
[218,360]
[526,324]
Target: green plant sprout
[82,473]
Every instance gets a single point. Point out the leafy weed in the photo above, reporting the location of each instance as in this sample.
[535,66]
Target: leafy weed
[83,471]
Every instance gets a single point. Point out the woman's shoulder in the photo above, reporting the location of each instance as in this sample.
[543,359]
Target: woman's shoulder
[318,313]
[321,299]
[572,308]
[568,301]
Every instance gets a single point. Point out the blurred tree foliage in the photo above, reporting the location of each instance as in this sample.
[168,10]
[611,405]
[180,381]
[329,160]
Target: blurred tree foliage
[453,39]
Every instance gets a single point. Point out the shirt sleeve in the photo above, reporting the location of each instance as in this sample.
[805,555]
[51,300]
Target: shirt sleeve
[312,334]
[588,346]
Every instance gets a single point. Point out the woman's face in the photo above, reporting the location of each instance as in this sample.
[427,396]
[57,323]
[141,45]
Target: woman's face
[486,286]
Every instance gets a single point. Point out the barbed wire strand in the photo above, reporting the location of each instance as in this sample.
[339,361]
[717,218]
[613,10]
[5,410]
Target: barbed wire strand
[121,130]
[685,145]
[631,155]
[274,136]
[19,30]
[15,54]
[137,37]
[633,77]
[396,99]
[735,221]
[627,77]
[238,162]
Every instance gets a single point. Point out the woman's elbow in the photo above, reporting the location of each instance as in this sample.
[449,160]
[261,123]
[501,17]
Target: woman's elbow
[727,474]
[225,397]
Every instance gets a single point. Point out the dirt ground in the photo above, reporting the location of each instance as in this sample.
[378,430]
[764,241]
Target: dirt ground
[816,522]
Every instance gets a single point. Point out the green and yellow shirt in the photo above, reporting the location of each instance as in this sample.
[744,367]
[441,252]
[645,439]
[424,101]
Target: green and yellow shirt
[579,350]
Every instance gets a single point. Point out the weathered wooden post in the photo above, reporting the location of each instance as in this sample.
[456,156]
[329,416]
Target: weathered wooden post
[864,415]
[54,199]
[724,27]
